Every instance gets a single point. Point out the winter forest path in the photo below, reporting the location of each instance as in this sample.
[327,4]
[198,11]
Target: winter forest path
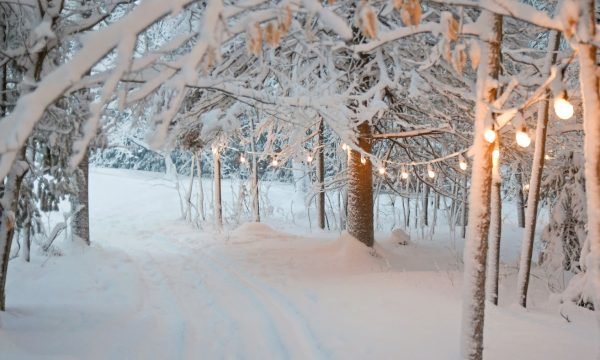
[153,287]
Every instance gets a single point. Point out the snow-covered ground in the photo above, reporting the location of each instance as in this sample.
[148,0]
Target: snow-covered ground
[155,287]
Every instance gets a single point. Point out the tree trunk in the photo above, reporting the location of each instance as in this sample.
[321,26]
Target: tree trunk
[479,198]
[465,207]
[590,92]
[200,204]
[360,190]
[520,197]
[495,231]
[535,180]
[7,221]
[218,210]
[255,185]
[81,204]
[425,219]
[26,250]
[321,176]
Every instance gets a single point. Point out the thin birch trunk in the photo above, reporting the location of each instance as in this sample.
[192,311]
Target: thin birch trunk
[520,197]
[255,185]
[479,198]
[495,232]
[10,199]
[321,176]
[200,204]
[218,210]
[535,181]
[590,91]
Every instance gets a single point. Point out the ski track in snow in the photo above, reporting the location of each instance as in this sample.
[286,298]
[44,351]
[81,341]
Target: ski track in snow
[197,281]
[152,287]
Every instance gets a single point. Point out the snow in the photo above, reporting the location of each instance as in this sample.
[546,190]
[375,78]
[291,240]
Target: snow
[154,287]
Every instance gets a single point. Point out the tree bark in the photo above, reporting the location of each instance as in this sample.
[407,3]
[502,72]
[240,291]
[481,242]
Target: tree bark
[495,231]
[535,180]
[590,92]
[479,199]
[218,210]
[81,204]
[200,205]
[465,208]
[520,197]
[425,214]
[360,190]
[321,176]
[255,185]
[7,221]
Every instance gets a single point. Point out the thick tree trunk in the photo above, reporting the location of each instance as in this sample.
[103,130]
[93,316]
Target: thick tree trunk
[590,92]
[81,220]
[495,232]
[479,199]
[218,210]
[7,221]
[321,176]
[535,182]
[360,190]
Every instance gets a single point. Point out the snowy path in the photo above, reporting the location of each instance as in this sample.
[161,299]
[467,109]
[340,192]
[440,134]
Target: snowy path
[153,287]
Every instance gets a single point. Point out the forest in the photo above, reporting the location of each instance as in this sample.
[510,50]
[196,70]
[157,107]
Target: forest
[304,179]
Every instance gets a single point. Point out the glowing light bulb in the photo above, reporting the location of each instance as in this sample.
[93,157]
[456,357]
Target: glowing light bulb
[344,147]
[430,172]
[523,139]
[275,162]
[381,170]
[215,149]
[563,108]
[363,160]
[489,135]
[403,174]
[526,187]
[462,163]
[309,158]
[242,159]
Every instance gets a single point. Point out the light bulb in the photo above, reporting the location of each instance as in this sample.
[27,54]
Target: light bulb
[344,146]
[430,172]
[496,154]
[363,160]
[309,158]
[523,139]
[526,187]
[275,162]
[215,149]
[242,159]
[462,163]
[563,108]
[489,135]
[381,170]
[403,173]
